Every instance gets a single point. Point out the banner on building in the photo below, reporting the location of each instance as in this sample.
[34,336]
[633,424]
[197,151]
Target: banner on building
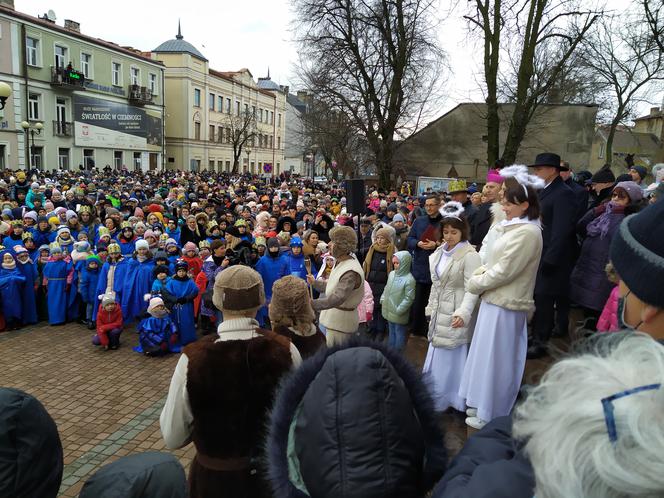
[103,123]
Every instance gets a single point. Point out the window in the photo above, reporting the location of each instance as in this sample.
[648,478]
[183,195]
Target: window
[33,106]
[152,83]
[220,166]
[260,115]
[36,154]
[228,135]
[253,111]
[197,131]
[135,76]
[86,65]
[211,165]
[116,73]
[228,105]
[278,142]
[211,137]
[137,161]
[60,56]
[197,97]
[237,107]
[32,51]
[220,103]
[63,158]
[220,135]
[88,158]
[246,109]
[211,101]
[117,159]
[279,121]
[228,166]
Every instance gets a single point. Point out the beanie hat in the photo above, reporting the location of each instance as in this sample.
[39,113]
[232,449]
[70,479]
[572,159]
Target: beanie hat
[27,235]
[149,233]
[32,215]
[641,170]
[62,230]
[107,298]
[19,249]
[633,190]
[272,242]
[290,302]
[384,232]
[82,246]
[160,269]
[142,244]
[160,255]
[190,246]
[114,247]
[181,264]
[93,257]
[625,177]
[399,217]
[71,214]
[238,288]
[604,175]
[170,242]
[296,242]
[637,250]
[55,248]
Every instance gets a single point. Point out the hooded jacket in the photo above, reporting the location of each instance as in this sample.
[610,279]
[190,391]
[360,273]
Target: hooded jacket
[399,292]
[145,475]
[31,459]
[354,421]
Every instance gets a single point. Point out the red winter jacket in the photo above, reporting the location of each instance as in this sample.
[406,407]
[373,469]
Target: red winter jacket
[109,320]
[195,264]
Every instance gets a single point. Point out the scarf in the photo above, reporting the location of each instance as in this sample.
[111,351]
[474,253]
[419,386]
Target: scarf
[384,248]
[601,225]
[141,259]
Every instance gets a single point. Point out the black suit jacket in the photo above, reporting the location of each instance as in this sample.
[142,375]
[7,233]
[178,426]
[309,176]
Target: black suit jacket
[480,222]
[558,211]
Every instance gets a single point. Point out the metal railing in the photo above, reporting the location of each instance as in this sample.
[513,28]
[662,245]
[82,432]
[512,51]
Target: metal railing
[66,77]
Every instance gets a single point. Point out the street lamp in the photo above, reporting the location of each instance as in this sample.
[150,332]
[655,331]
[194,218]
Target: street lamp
[33,130]
[5,92]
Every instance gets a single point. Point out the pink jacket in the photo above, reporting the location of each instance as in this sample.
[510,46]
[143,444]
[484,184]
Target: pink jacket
[608,320]
[367,305]
[374,204]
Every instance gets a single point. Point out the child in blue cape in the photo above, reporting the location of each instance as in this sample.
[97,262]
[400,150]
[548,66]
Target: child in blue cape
[112,275]
[127,239]
[161,275]
[181,290]
[28,294]
[271,267]
[89,279]
[57,279]
[296,259]
[11,290]
[157,334]
[137,282]
[172,251]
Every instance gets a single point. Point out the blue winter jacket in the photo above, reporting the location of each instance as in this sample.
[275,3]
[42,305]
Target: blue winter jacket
[272,269]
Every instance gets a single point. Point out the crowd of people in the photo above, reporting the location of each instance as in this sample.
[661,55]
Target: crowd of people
[275,296]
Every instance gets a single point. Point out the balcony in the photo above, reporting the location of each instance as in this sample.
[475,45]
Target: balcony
[67,78]
[140,95]
[63,129]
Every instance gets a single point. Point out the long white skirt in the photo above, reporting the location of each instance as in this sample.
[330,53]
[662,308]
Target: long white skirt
[492,377]
[442,374]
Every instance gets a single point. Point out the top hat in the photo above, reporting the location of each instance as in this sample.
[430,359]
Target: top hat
[547,159]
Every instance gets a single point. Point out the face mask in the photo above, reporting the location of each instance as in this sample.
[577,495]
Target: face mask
[621,313]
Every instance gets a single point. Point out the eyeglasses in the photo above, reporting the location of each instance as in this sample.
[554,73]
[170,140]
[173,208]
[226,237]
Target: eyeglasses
[607,404]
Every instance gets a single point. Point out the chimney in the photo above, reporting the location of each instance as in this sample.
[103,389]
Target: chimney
[654,111]
[8,4]
[73,25]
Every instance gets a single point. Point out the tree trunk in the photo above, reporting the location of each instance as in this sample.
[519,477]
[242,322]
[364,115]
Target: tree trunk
[491,61]
[608,153]
[236,165]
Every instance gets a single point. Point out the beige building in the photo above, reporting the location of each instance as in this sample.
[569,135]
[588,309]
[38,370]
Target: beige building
[454,145]
[204,106]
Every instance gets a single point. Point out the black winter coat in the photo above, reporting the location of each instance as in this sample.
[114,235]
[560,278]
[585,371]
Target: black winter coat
[480,222]
[558,211]
[490,465]
[378,274]
[581,196]
[363,426]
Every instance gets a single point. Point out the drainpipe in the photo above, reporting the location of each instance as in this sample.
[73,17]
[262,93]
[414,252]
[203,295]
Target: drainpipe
[24,65]
[163,120]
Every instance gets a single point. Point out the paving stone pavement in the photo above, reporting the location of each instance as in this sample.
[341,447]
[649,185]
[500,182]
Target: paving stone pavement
[107,403]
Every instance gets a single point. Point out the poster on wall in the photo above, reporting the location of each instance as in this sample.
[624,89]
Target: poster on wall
[103,123]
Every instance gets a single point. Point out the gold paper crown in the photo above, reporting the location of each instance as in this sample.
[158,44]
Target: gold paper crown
[17,223]
[126,224]
[457,186]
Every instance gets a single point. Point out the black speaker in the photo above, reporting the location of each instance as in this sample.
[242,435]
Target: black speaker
[355,196]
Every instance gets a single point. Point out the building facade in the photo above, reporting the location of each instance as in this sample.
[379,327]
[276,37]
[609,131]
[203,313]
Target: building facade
[204,108]
[76,101]
[297,158]
[454,145]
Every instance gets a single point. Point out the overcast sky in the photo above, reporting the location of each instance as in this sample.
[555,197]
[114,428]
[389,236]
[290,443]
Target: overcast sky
[247,33]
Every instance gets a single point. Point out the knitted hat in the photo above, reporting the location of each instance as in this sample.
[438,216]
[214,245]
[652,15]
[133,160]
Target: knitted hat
[32,215]
[238,288]
[154,302]
[170,242]
[604,175]
[62,230]
[142,244]
[290,302]
[345,240]
[160,269]
[181,264]
[108,298]
[399,217]
[272,242]
[190,246]
[385,233]
[637,253]
[296,242]
[641,170]
[55,248]
[114,248]
[93,257]
[71,214]
[19,249]
[149,233]
[633,190]
[160,255]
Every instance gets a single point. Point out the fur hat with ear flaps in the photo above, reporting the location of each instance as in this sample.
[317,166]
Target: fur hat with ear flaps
[345,241]
[290,305]
[238,289]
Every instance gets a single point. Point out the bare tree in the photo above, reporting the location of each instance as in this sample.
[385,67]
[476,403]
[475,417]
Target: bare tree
[241,132]
[654,16]
[376,62]
[533,41]
[625,56]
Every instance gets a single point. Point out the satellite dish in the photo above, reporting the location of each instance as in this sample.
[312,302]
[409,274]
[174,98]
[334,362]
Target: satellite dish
[50,15]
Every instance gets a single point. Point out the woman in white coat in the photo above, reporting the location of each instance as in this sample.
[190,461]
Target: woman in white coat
[497,357]
[451,308]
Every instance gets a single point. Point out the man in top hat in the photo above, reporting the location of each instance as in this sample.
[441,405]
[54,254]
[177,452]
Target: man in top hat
[222,390]
[558,212]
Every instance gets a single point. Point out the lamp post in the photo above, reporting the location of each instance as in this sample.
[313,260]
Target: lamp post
[5,92]
[248,151]
[33,130]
